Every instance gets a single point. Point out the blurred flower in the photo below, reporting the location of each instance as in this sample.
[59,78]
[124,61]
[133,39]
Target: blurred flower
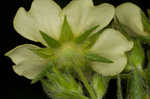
[132,17]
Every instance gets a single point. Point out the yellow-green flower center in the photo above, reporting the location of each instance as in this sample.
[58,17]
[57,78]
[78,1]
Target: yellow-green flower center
[68,55]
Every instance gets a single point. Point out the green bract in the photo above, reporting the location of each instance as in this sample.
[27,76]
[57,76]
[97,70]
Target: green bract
[99,84]
[62,86]
[73,36]
[134,19]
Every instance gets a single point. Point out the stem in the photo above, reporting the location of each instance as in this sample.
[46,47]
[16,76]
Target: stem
[119,89]
[77,68]
[142,74]
[84,80]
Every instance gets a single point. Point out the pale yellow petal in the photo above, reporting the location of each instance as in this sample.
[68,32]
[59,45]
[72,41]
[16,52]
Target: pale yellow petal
[82,15]
[44,15]
[112,45]
[27,64]
[129,14]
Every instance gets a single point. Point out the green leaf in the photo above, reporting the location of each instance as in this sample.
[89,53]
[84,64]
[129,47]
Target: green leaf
[136,56]
[47,68]
[66,32]
[97,58]
[135,86]
[43,52]
[85,35]
[99,84]
[50,41]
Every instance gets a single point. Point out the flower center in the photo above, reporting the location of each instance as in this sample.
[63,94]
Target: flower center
[69,55]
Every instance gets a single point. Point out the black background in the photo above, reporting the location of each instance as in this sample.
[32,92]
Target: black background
[14,86]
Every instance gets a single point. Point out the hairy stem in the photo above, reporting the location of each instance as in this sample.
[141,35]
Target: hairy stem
[85,82]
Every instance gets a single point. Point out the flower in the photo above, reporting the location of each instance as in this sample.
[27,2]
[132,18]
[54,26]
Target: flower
[82,15]
[135,19]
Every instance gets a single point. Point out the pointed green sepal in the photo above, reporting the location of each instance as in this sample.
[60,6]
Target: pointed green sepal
[66,32]
[85,35]
[43,73]
[43,52]
[49,40]
[122,28]
[97,58]
[99,84]
[92,39]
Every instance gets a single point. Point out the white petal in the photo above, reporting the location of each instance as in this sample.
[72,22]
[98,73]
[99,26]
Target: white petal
[82,15]
[129,14]
[25,25]
[44,15]
[112,45]
[27,64]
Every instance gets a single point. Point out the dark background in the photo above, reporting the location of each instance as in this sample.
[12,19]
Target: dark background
[16,87]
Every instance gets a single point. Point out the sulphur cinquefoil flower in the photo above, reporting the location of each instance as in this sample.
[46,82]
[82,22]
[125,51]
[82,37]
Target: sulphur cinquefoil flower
[132,17]
[68,34]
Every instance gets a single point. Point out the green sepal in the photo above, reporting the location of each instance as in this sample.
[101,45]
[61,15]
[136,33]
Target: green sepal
[97,58]
[52,43]
[128,67]
[57,93]
[146,23]
[135,86]
[69,95]
[43,73]
[81,38]
[66,32]
[43,52]
[92,39]
[60,85]
[136,56]
[122,28]
[100,84]
[63,80]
